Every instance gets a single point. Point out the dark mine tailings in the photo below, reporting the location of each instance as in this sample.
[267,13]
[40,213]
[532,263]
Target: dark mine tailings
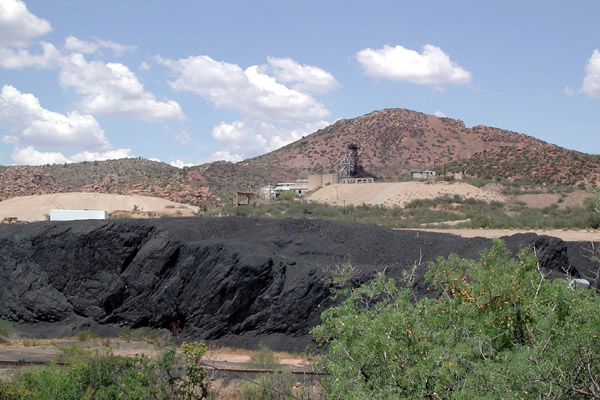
[236,281]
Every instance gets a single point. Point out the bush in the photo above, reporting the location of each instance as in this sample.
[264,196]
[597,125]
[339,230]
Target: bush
[101,375]
[85,335]
[268,386]
[499,329]
[6,330]
[264,359]
[287,195]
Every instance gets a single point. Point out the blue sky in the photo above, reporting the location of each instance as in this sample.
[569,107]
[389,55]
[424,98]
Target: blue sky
[188,82]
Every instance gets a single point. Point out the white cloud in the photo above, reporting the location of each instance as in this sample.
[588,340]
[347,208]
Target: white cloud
[241,136]
[18,26]
[570,92]
[21,58]
[591,82]
[34,125]
[439,114]
[82,46]
[30,156]
[250,138]
[255,94]
[433,66]
[300,77]
[182,136]
[222,156]
[273,114]
[107,155]
[181,164]
[112,89]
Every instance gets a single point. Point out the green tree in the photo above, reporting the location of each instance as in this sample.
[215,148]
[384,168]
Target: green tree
[195,385]
[287,195]
[498,329]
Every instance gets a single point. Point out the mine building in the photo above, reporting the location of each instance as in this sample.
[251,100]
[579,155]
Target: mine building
[271,192]
[424,174]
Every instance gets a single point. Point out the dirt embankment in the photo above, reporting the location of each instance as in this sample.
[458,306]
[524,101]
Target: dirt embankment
[37,208]
[398,193]
[235,281]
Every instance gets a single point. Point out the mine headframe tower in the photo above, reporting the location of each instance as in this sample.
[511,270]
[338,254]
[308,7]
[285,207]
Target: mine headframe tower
[348,167]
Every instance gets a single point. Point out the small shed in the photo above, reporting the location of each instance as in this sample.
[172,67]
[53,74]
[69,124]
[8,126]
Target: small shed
[423,174]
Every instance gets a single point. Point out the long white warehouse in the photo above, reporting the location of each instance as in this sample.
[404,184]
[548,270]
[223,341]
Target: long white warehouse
[74,215]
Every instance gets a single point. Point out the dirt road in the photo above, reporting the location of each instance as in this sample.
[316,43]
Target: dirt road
[568,236]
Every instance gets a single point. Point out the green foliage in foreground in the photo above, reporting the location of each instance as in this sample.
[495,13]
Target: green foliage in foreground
[101,375]
[500,329]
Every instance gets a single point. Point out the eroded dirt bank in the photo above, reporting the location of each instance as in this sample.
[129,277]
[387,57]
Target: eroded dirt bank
[236,281]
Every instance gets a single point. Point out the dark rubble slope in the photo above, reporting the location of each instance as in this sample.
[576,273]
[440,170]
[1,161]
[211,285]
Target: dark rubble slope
[237,281]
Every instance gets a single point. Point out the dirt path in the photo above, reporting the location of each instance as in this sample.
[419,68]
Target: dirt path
[46,350]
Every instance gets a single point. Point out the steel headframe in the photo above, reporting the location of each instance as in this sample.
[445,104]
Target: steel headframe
[348,167]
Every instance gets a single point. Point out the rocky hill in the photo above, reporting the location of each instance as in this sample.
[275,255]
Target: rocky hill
[131,176]
[544,164]
[27,181]
[236,281]
[393,142]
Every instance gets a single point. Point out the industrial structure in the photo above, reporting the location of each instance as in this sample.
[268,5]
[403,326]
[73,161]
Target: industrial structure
[300,188]
[348,171]
[348,167]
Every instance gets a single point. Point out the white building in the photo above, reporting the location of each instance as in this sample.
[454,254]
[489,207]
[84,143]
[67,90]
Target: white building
[74,215]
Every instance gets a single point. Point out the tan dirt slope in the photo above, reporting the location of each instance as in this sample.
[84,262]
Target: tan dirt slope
[36,208]
[397,193]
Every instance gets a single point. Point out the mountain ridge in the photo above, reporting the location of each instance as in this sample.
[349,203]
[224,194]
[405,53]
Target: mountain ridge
[392,143]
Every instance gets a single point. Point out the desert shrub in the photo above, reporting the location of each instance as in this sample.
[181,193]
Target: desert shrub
[264,359]
[85,335]
[269,386]
[29,342]
[287,195]
[499,329]
[277,386]
[6,330]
